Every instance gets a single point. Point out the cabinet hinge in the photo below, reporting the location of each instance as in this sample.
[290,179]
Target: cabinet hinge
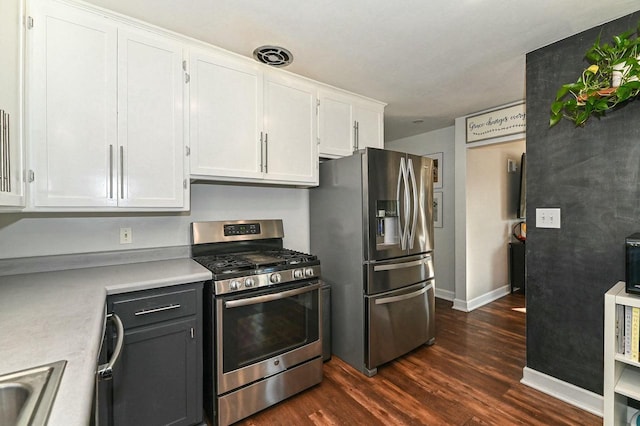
[29,22]
[317,106]
[187,151]
[193,333]
[187,77]
[31,176]
[318,141]
[184,183]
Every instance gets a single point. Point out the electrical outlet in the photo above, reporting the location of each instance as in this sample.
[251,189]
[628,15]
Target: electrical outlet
[125,236]
[547,218]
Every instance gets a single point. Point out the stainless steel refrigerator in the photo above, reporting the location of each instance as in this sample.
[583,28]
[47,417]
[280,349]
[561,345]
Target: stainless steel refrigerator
[372,228]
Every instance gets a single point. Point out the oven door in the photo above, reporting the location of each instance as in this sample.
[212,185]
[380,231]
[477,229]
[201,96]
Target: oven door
[264,332]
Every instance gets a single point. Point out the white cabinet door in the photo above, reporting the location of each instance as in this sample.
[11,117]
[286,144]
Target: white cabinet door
[335,124]
[72,107]
[369,120]
[150,121]
[348,123]
[11,145]
[226,116]
[290,145]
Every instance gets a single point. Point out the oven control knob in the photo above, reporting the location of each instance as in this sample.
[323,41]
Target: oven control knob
[275,278]
[298,274]
[308,272]
[234,285]
[249,282]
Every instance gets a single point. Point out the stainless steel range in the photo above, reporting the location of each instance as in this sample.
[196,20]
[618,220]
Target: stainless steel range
[263,317]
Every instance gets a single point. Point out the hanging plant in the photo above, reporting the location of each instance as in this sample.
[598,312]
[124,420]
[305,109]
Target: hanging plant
[612,78]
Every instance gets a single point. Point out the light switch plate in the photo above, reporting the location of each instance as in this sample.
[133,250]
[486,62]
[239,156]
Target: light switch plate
[125,236]
[547,218]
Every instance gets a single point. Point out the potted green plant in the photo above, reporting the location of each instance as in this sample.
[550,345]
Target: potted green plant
[612,78]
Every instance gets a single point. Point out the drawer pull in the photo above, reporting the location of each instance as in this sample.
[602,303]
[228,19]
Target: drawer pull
[153,311]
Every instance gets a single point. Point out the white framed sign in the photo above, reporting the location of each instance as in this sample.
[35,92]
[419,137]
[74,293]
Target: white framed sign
[496,123]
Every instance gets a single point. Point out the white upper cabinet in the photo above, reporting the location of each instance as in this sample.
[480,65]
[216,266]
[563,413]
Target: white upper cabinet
[72,113]
[290,143]
[369,120]
[249,124]
[336,124]
[226,116]
[105,113]
[348,122]
[150,121]
[11,146]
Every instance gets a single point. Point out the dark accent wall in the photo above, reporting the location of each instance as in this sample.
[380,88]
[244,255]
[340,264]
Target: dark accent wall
[593,175]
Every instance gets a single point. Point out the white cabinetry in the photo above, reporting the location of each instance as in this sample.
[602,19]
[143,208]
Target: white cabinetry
[348,122]
[290,144]
[250,124]
[621,374]
[150,121]
[11,154]
[105,113]
[226,116]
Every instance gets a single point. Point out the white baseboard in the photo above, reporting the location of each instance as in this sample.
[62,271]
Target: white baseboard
[468,306]
[564,391]
[445,294]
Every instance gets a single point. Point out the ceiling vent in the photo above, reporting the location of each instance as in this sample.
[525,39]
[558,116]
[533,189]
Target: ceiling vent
[273,55]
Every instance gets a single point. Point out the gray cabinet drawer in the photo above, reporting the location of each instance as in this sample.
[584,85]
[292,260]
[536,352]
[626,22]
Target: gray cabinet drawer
[149,307]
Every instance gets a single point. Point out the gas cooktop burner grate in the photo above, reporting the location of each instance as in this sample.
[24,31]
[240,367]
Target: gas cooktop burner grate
[237,262]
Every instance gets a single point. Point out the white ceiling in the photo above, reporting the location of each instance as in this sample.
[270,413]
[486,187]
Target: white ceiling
[432,60]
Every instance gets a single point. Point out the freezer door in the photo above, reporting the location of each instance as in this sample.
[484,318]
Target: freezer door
[420,228]
[398,322]
[386,183]
[392,274]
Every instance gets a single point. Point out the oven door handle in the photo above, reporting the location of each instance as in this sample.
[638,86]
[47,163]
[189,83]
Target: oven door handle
[270,297]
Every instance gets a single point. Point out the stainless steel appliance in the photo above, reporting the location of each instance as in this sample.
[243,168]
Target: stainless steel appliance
[372,226]
[263,317]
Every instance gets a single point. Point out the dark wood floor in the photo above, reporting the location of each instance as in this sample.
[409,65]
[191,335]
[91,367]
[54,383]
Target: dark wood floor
[471,376]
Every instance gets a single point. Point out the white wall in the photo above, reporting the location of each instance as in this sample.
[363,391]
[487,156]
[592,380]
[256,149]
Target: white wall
[467,257]
[491,204]
[426,143]
[25,235]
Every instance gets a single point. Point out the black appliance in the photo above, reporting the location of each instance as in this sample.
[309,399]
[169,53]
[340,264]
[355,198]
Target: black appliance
[263,317]
[632,263]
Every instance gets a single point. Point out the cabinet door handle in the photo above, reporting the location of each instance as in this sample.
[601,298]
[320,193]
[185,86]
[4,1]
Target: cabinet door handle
[5,155]
[110,171]
[266,152]
[121,172]
[154,310]
[355,136]
[105,371]
[261,153]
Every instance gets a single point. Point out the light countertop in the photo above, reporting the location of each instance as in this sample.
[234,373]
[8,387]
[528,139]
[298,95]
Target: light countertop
[52,316]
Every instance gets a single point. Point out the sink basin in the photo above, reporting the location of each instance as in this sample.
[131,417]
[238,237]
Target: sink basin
[26,396]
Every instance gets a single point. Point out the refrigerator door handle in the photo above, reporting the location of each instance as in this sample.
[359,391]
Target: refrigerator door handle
[392,299]
[401,179]
[404,238]
[414,200]
[394,266]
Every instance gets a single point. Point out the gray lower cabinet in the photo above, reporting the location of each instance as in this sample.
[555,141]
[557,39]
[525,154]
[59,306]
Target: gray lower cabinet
[158,378]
